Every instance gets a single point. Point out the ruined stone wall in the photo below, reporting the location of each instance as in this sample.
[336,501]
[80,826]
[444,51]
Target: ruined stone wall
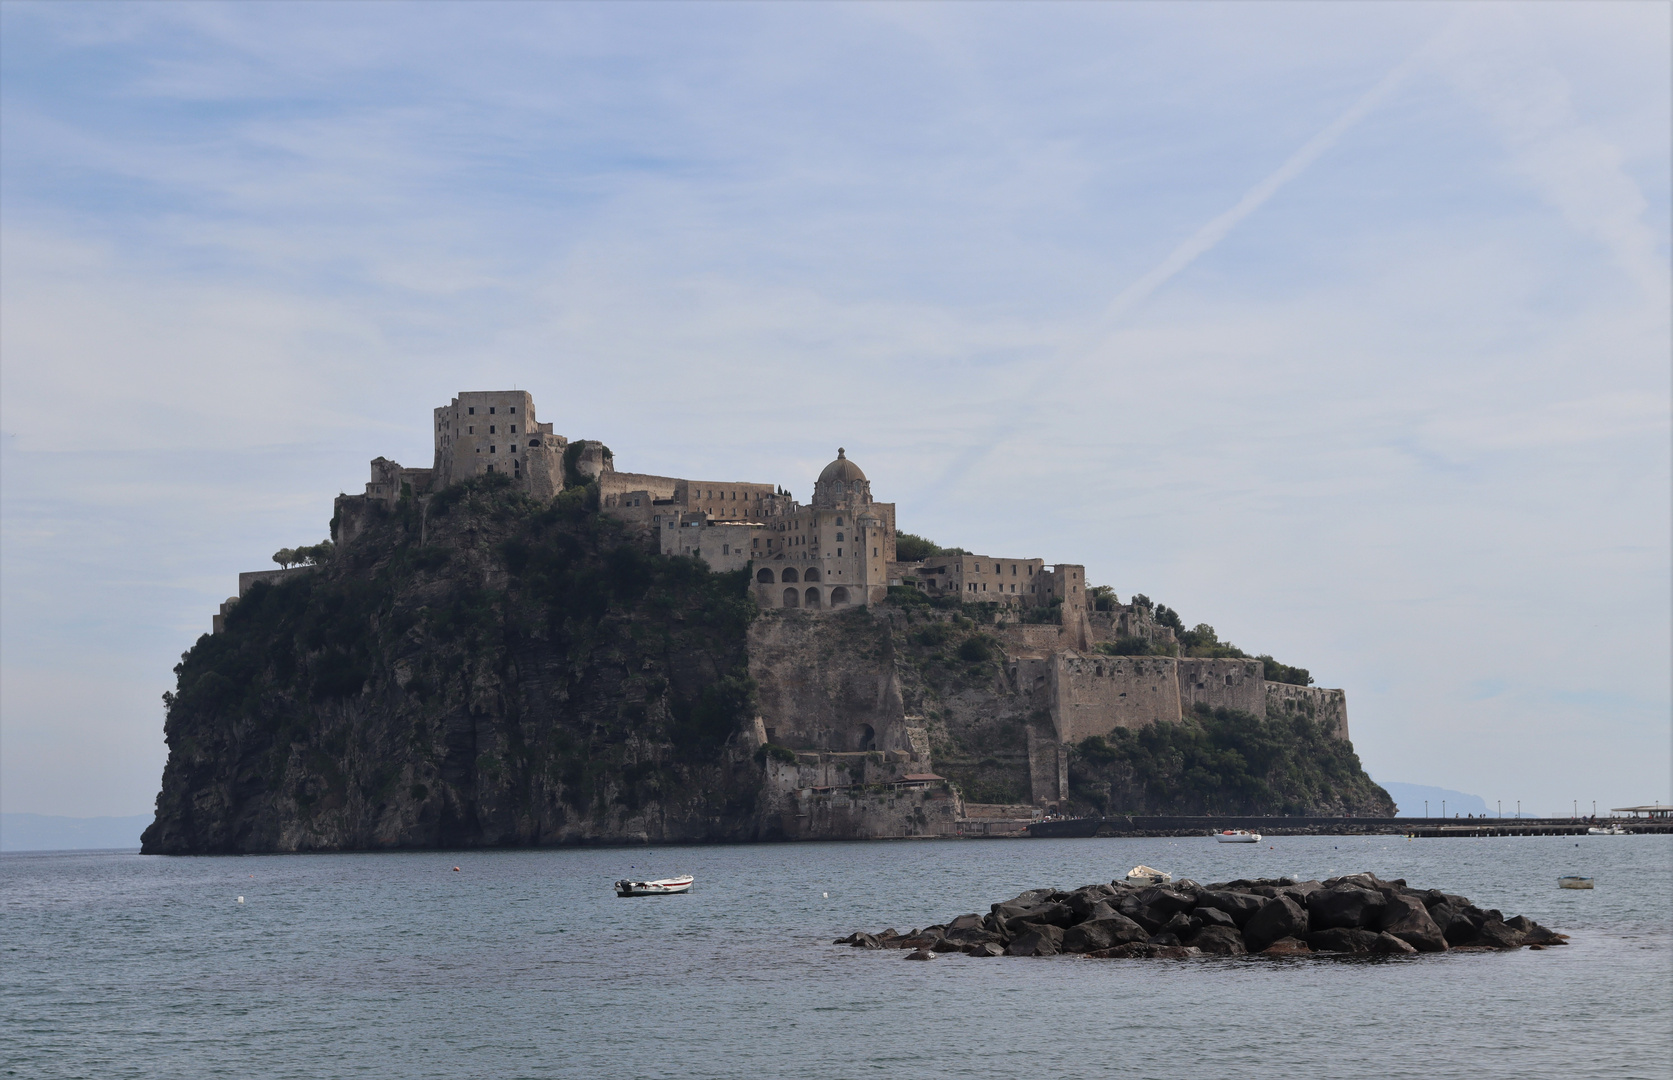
[1222,684]
[1328,707]
[827,682]
[1094,695]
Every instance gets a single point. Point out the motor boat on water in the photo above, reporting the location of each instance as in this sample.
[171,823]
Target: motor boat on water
[1574,882]
[1237,836]
[1606,830]
[1144,875]
[660,887]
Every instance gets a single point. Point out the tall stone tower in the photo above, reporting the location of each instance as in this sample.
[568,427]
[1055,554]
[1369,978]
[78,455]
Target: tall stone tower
[495,431]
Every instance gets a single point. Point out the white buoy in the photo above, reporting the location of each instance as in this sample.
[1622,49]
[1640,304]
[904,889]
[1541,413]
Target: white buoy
[826,895]
[240,899]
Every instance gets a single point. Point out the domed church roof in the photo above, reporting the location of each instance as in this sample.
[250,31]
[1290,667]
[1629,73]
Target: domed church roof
[841,469]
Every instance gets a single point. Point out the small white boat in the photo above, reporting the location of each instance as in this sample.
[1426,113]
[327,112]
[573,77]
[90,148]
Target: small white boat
[1237,836]
[660,887]
[1607,830]
[1144,875]
[1572,882]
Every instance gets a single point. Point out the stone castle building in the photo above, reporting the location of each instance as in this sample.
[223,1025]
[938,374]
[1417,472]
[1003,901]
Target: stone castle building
[839,551]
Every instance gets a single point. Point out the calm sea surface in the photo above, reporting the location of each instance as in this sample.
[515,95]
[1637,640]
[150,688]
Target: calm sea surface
[524,964]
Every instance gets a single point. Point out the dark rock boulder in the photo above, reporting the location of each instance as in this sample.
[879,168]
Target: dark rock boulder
[1024,902]
[1207,916]
[1138,950]
[1287,947]
[1165,938]
[1342,939]
[921,954]
[1163,904]
[986,948]
[1496,934]
[946,945]
[1041,939]
[1182,926]
[966,922]
[1459,925]
[1407,919]
[1134,910]
[1539,936]
[1095,934]
[1348,907]
[1280,917]
[1057,915]
[1219,941]
[1240,906]
[866,941]
[1388,943]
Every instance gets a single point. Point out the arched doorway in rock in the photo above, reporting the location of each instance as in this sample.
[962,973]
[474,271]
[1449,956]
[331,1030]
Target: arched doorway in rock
[764,576]
[812,598]
[868,737]
[789,574]
[839,596]
[812,574]
[792,598]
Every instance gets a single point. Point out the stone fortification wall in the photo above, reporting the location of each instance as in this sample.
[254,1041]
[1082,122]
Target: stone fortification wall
[1034,640]
[827,683]
[1094,695]
[855,811]
[270,577]
[1328,707]
[1222,684]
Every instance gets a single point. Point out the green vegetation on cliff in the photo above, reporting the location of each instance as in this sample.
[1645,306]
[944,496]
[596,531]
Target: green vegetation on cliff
[1223,762]
[487,671]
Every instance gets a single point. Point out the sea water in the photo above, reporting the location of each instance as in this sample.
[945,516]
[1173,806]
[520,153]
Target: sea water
[524,964]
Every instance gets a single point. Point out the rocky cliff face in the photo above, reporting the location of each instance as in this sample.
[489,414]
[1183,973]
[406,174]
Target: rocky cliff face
[478,668]
[483,670]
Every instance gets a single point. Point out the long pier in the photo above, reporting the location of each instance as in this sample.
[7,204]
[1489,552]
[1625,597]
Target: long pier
[1139,825]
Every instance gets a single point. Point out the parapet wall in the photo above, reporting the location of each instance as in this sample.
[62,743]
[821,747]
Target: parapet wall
[1328,707]
[1222,684]
[1094,695]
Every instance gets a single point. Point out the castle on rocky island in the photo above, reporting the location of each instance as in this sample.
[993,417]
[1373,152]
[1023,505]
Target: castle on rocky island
[1068,663]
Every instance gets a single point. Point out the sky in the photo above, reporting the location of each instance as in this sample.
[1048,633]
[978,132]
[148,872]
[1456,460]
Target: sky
[1344,328]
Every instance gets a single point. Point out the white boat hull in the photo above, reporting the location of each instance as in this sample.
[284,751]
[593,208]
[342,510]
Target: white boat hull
[659,887]
[1239,836]
[1144,875]
[1574,883]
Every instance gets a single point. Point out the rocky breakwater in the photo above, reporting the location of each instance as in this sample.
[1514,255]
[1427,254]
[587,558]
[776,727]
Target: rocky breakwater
[1359,913]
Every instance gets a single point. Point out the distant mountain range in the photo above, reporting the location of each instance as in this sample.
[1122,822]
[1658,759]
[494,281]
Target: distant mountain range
[1409,798]
[50,832]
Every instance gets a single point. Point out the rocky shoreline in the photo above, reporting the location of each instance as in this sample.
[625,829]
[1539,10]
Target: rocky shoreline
[1281,917]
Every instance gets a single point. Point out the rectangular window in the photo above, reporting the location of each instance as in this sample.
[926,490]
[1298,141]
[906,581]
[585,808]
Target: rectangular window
[490,429]
[726,549]
[493,450]
[512,409]
[472,430]
[490,410]
[473,410]
[514,431]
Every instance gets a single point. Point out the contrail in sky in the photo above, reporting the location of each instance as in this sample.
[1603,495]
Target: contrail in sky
[1199,242]
[1215,231]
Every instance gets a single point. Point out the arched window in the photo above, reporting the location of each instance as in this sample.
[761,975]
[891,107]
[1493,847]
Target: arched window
[813,598]
[789,574]
[764,576]
[839,521]
[792,598]
[839,597]
[812,574]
